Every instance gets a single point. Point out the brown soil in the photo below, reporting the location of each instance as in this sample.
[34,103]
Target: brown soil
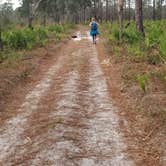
[21,76]
[73,108]
[145,112]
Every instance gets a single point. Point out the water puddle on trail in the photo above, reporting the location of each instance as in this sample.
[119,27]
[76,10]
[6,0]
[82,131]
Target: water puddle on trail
[78,36]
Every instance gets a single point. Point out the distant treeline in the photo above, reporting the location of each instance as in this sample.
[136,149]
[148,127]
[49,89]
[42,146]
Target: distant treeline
[60,11]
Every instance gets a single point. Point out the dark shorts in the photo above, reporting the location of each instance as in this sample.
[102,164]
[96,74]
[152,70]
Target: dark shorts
[94,32]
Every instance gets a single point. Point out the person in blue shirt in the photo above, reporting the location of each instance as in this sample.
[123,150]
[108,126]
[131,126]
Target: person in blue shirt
[94,29]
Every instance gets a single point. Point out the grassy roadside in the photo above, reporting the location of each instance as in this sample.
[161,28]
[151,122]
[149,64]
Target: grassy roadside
[24,52]
[18,40]
[139,72]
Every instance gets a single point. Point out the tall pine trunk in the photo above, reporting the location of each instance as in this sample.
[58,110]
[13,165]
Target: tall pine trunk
[95,9]
[100,11]
[120,15]
[139,17]
[1,44]
[120,23]
[161,4]
[30,16]
[129,10]
[32,12]
[30,20]
[114,11]
[154,9]
[107,11]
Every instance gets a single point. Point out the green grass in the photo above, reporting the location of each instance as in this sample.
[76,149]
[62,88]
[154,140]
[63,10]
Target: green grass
[152,48]
[25,38]
[142,81]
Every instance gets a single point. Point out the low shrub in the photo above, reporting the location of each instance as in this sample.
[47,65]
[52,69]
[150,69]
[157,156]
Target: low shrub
[16,39]
[162,45]
[152,48]
[143,82]
[115,32]
[26,38]
[130,35]
[56,28]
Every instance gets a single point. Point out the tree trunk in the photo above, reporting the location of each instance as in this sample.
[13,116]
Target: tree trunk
[101,12]
[129,10]
[32,12]
[114,11]
[139,17]
[107,10]
[161,4]
[95,9]
[45,16]
[30,19]
[120,13]
[1,44]
[84,14]
[154,10]
[44,20]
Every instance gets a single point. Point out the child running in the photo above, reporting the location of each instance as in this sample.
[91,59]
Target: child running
[94,29]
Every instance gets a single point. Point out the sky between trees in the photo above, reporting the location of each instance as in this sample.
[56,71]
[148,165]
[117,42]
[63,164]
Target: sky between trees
[15,3]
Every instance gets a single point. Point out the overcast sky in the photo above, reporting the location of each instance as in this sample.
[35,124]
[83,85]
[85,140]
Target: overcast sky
[16,3]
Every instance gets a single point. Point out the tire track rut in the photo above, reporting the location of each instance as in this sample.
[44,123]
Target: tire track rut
[68,119]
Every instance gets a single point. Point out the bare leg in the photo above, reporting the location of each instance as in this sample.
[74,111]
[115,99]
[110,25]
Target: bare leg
[95,39]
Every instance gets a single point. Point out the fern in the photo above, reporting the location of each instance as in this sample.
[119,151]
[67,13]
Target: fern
[143,81]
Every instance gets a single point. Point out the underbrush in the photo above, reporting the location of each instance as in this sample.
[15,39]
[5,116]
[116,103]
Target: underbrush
[151,49]
[148,54]
[140,74]
[25,38]
[17,39]
[144,58]
[10,58]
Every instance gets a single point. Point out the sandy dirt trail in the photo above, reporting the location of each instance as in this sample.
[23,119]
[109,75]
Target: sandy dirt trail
[68,118]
